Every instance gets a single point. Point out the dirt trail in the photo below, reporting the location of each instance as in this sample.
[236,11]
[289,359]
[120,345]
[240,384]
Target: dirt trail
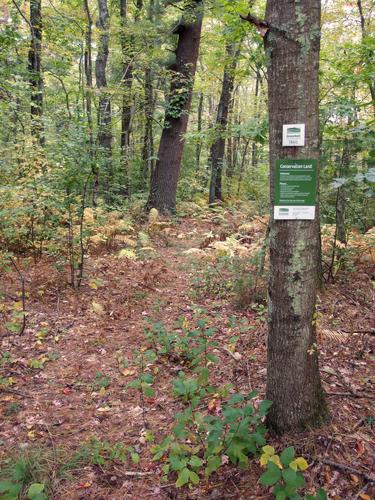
[79,390]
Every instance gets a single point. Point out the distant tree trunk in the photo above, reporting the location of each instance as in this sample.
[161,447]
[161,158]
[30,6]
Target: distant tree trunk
[127,47]
[254,147]
[35,70]
[341,192]
[364,34]
[165,176]
[230,161]
[293,379]
[88,98]
[198,148]
[148,139]
[149,103]
[218,146]
[104,138]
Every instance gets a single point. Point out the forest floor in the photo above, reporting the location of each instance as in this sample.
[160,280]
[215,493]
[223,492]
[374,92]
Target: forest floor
[64,380]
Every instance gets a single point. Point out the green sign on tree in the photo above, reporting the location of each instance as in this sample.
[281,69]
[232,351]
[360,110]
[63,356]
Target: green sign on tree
[295,189]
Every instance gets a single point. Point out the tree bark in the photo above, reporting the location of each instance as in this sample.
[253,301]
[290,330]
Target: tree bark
[254,147]
[218,147]
[165,176]
[127,47]
[198,148]
[371,83]
[88,98]
[35,70]
[104,138]
[149,104]
[293,381]
[148,139]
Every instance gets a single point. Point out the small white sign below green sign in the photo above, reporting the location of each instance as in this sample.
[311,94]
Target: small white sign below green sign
[295,189]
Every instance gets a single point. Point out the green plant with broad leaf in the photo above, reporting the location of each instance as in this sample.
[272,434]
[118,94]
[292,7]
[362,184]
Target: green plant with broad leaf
[284,473]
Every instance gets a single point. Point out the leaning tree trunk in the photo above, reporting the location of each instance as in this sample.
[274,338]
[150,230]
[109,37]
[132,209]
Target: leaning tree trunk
[292,42]
[165,176]
[104,138]
[218,147]
[35,70]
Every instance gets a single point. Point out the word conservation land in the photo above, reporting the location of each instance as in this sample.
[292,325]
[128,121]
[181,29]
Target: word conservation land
[295,189]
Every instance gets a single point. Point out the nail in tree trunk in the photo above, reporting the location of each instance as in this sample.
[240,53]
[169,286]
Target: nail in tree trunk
[293,379]
[35,71]
[165,176]
[104,138]
[218,147]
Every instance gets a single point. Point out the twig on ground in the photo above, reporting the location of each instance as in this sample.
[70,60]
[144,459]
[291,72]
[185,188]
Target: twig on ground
[346,468]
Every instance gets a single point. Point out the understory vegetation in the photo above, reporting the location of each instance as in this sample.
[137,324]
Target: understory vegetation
[137,252]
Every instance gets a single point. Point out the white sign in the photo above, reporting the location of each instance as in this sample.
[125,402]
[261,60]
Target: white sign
[294,213]
[294,134]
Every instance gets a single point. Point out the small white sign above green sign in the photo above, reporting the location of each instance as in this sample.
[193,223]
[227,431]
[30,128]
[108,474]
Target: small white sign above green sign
[295,189]
[294,134]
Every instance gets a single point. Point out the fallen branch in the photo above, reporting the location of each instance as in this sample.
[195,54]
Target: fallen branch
[15,391]
[346,468]
[350,394]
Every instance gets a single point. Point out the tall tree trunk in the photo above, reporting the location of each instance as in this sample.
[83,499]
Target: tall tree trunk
[198,148]
[104,138]
[35,70]
[149,104]
[293,380]
[364,34]
[218,146]
[341,192]
[88,98]
[148,138]
[254,147]
[127,47]
[165,176]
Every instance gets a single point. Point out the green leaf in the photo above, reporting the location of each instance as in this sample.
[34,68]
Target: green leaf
[264,407]
[213,464]
[10,489]
[287,456]
[290,477]
[271,476]
[35,492]
[193,476]
[195,461]
[281,495]
[320,495]
[183,477]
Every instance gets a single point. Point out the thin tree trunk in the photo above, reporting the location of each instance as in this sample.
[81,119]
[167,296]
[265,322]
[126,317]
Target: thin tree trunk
[88,98]
[104,138]
[198,148]
[341,193]
[35,70]
[127,47]
[149,104]
[254,147]
[364,34]
[165,176]
[230,160]
[218,146]
[293,379]
[148,139]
